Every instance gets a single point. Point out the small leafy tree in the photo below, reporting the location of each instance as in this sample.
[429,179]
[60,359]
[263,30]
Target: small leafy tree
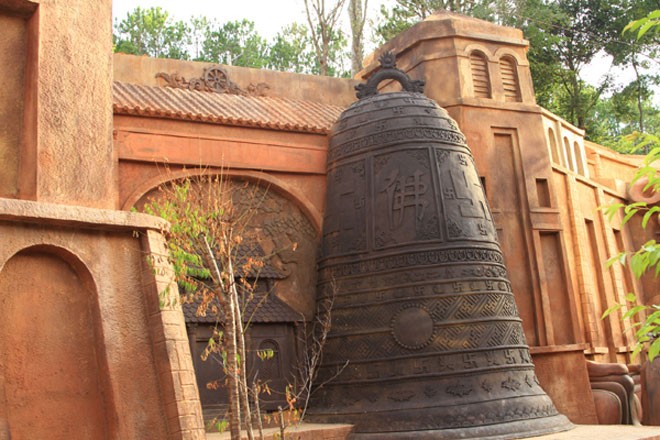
[645,259]
[206,231]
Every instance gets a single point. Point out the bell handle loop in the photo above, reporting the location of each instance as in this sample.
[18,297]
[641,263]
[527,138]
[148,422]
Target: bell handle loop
[388,71]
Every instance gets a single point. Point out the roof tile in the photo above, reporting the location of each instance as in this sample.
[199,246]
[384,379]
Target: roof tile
[261,308]
[222,108]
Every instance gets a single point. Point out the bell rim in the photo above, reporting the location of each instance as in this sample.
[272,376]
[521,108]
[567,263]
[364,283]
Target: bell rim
[519,429]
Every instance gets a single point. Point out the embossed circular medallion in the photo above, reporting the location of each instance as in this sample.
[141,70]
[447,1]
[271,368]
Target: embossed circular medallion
[412,327]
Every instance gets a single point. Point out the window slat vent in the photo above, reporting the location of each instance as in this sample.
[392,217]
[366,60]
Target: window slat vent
[480,79]
[509,80]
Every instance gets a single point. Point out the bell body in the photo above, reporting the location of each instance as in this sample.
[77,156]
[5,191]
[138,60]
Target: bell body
[426,340]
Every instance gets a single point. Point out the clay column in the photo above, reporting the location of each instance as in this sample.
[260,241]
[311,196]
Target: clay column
[66,154]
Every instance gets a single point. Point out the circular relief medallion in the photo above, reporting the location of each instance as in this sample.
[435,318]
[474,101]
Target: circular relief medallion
[412,327]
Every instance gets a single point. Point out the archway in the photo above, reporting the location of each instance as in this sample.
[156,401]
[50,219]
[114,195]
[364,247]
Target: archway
[276,232]
[51,358]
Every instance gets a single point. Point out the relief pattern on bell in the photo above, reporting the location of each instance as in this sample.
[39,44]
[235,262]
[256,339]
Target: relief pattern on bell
[423,309]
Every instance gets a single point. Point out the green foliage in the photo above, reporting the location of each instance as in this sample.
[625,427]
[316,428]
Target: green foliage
[645,259]
[265,355]
[634,143]
[405,13]
[217,424]
[235,43]
[649,23]
[188,221]
[646,326]
[617,120]
[292,50]
[199,31]
[563,42]
[565,36]
[151,32]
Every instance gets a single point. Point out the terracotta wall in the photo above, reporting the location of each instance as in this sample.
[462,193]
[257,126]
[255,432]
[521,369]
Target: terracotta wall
[85,350]
[56,375]
[290,167]
[59,146]
[150,148]
[13,48]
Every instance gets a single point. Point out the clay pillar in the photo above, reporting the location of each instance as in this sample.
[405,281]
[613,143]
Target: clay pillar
[650,393]
[66,150]
[4,425]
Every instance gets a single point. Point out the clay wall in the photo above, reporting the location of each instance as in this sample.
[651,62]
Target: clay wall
[149,148]
[68,73]
[590,240]
[13,52]
[288,166]
[86,350]
[289,163]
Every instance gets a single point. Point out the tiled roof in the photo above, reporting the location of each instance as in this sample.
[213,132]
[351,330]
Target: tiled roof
[260,267]
[263,308]
[222,108]
[246,251]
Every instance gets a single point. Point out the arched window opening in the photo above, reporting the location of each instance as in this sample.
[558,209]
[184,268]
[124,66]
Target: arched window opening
[579,164]
[509,73]
[480,77]
[271,365]
[567,154]
[553,147]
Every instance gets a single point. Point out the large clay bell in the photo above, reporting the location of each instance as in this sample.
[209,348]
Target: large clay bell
[426,340]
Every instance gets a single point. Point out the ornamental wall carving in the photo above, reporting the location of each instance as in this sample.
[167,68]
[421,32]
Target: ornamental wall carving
[213,79]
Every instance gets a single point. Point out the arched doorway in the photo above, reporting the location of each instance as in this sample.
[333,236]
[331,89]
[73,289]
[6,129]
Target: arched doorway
[275,231]
[50,354]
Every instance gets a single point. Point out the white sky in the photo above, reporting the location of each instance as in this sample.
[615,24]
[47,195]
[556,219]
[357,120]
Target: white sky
[269,16]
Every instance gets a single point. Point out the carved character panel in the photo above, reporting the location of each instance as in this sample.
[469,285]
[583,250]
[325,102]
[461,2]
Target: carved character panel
[405,208]
[467,215]
[345,220]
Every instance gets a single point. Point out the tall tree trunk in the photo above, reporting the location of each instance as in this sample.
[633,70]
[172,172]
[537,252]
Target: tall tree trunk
[233,372]
[323,26]
[640,107]
[357,13]
[240,344]
[222,280]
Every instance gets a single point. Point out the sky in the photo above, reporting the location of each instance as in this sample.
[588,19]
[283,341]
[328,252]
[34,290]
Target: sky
[270,16]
